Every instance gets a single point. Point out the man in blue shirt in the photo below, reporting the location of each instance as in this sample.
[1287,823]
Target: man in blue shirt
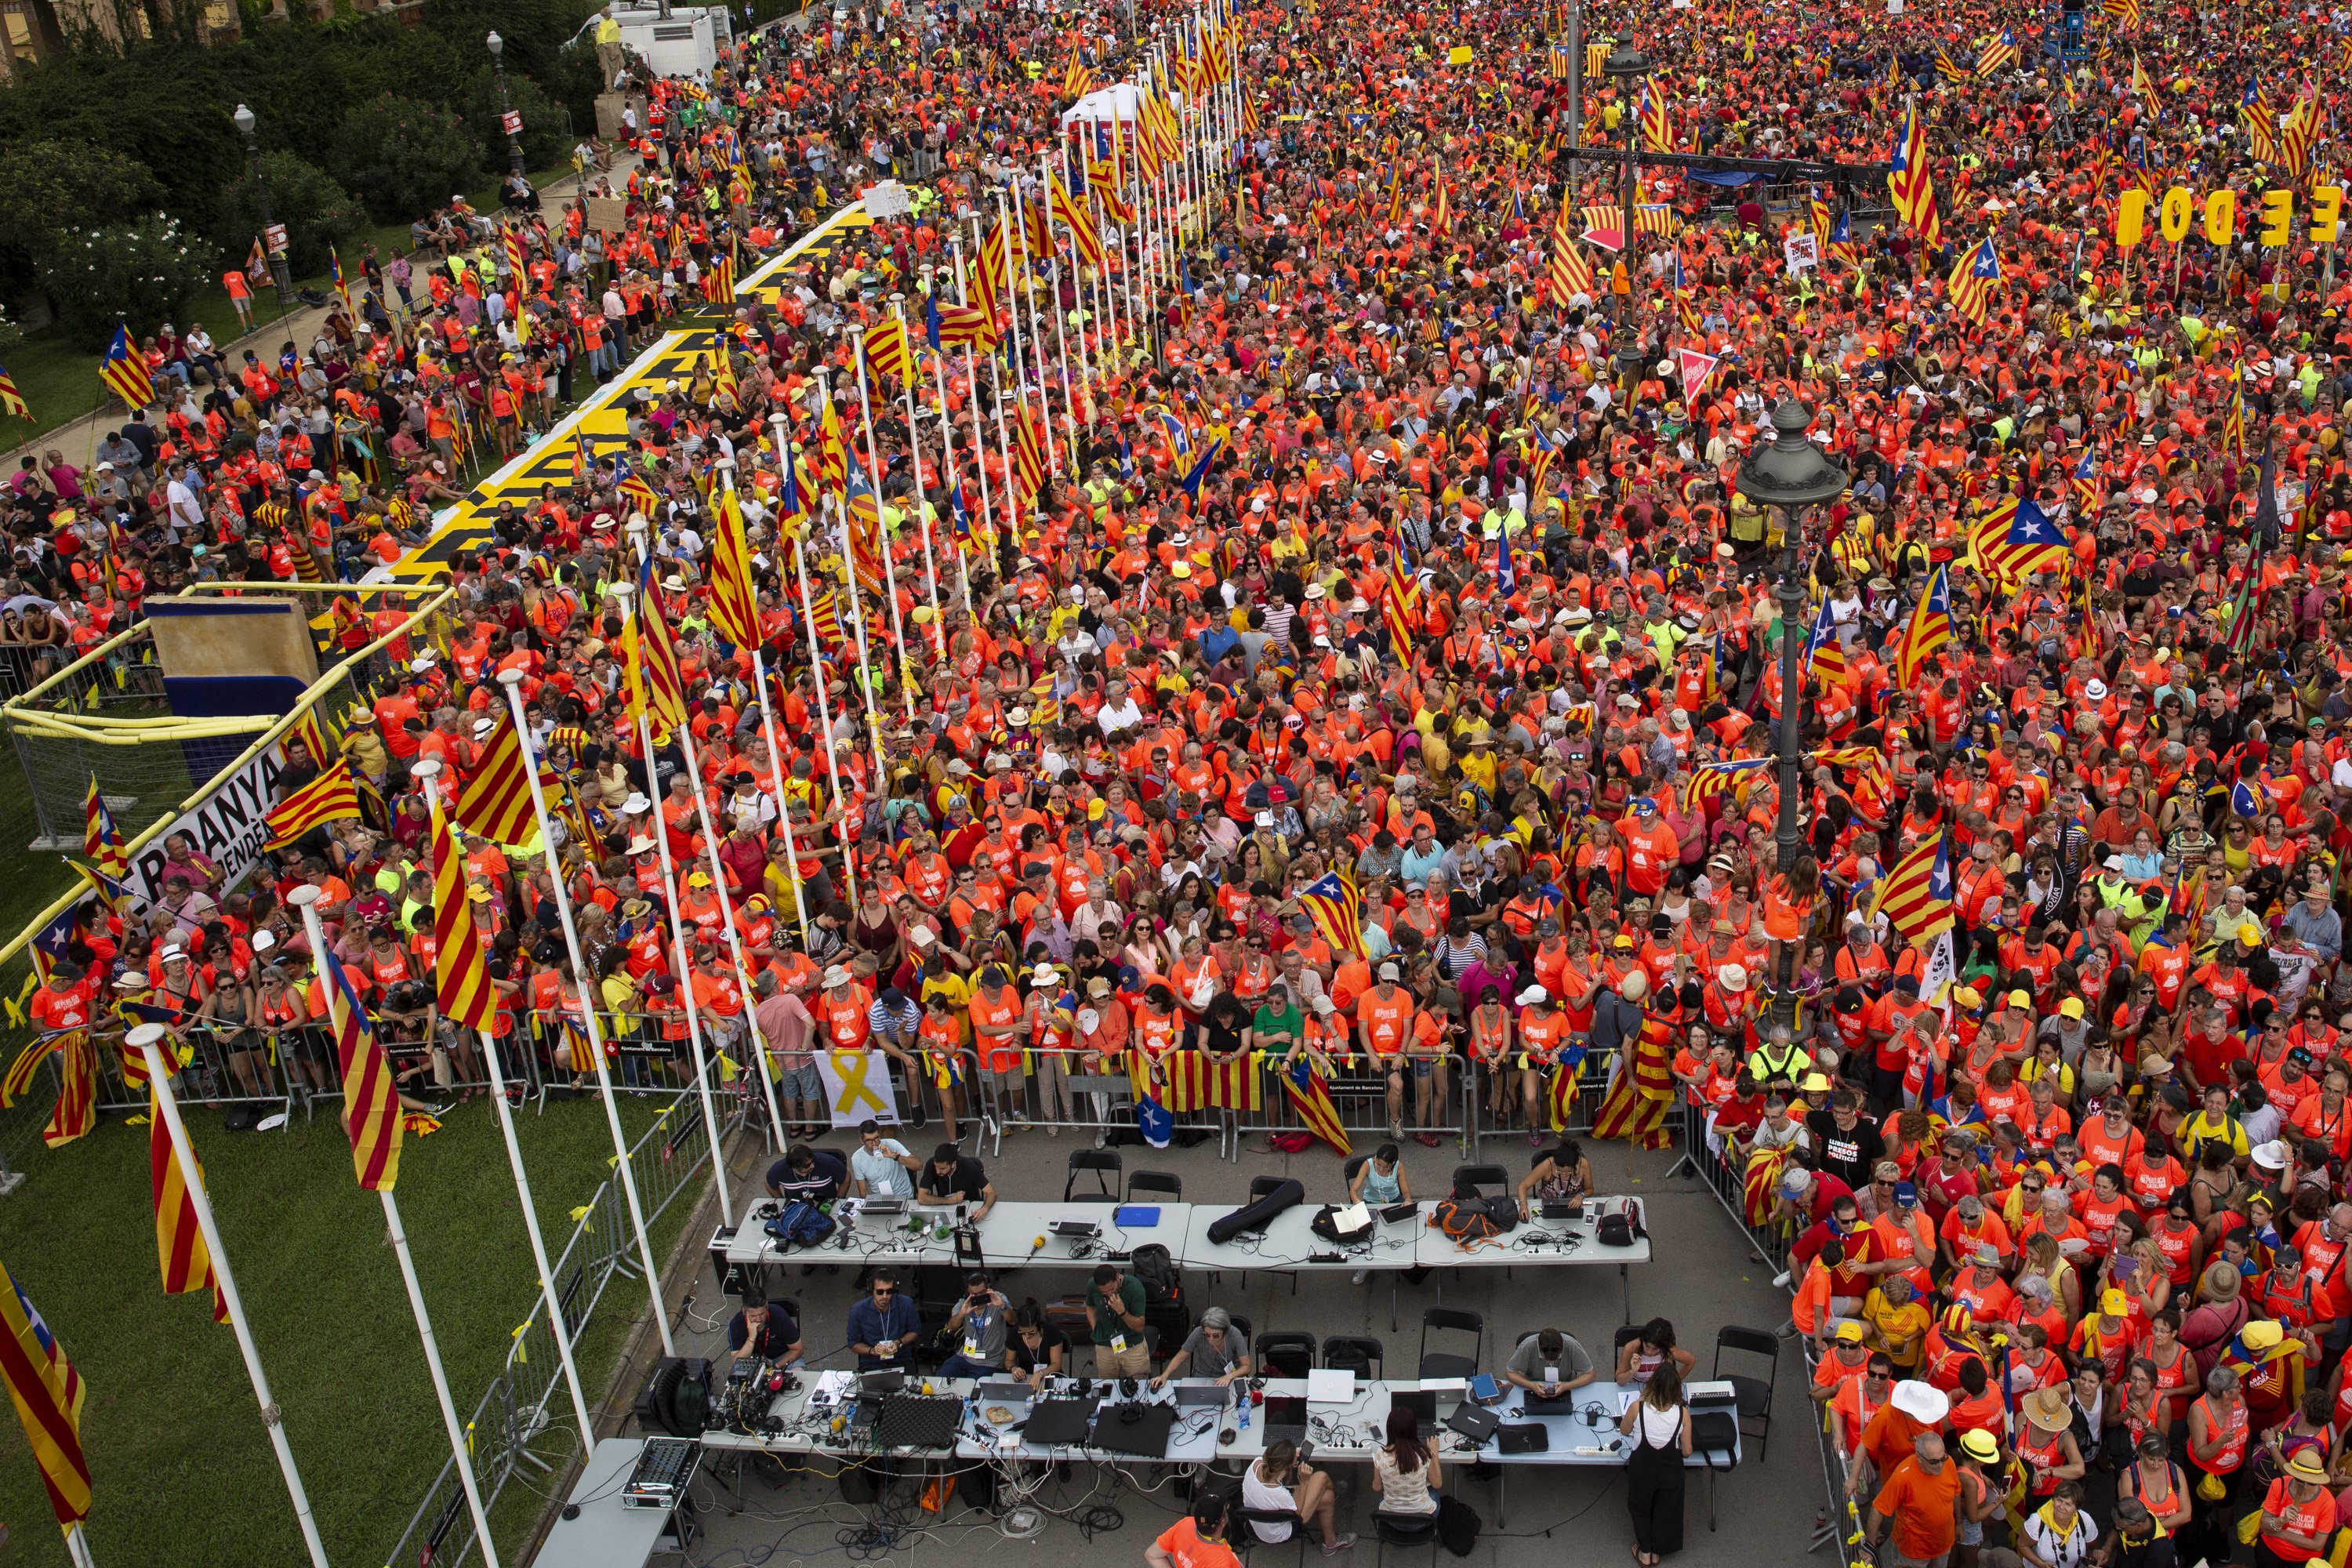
[885,1327]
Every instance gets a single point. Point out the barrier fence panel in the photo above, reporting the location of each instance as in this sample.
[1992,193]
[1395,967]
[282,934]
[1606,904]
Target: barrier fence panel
[1838,1521]
[526,1399]
[1358,1090]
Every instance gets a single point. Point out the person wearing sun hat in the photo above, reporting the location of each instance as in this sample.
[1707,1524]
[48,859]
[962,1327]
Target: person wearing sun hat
[2298,1514]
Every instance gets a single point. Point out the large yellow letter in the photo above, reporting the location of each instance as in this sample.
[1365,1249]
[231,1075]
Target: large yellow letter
[2278,216]
[2326,212]
[2173,219]
[2131,218]
[2221,216]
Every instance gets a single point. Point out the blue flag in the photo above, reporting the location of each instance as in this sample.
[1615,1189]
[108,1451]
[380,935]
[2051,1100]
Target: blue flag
[2245,800]
[1506,575]
[931,321]
[1152,1120]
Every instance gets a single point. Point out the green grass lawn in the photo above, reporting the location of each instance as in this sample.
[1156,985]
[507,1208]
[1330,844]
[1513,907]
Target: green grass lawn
[60,381]
[182,1469]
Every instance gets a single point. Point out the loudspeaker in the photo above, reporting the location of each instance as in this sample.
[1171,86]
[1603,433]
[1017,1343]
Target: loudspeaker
[1257,1216]
[677,1397]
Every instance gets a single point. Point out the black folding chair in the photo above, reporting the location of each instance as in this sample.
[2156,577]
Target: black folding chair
[1754,1394]
[1104,1163]
[1455,1319]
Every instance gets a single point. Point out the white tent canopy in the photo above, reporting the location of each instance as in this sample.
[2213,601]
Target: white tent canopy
[1121,101]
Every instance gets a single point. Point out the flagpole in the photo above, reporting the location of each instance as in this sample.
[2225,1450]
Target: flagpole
[1061,333]
[915,452]
[776,785]
[856,616]
[1012,299]
[426,770]
[681,953]
[145,1039]
[513,680]
[980,431]
[824,709]
[78,1546]
[882,546]
[948,472]
[1032,358]
[726,911]
[306,900]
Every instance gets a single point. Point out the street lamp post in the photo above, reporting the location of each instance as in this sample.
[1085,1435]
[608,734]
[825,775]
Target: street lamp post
[279,274]
[1627,65]
[498,65]
[1791,474]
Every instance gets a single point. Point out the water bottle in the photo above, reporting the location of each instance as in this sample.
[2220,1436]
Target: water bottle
[1246,1407]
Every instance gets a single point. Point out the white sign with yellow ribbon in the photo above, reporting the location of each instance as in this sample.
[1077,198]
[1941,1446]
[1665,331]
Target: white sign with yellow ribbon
[858,1085]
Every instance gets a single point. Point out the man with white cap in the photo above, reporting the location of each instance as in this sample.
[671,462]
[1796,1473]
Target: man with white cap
[1385,1022]
[1542,1029]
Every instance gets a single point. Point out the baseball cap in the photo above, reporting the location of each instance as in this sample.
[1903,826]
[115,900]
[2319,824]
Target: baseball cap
[1907,1194]
[2072,1007]
[1848,1333]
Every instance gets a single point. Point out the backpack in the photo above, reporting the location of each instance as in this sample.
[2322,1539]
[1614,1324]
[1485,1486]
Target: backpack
[1620,1221]
[799,1225]
[1465,1220]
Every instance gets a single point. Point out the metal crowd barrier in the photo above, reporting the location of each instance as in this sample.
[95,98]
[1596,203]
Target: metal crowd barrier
[1839,1520]
[526,1402]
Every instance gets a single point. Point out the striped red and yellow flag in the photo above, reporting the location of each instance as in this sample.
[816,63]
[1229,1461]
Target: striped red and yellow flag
[330,797]
[832,451]
[180,1249]
[371,1103]
[657,685]
[102,840]
[886,349]
[461,986]
[496,802]
[48,1393]
[1311,1098]
[77,1109]
[734,602]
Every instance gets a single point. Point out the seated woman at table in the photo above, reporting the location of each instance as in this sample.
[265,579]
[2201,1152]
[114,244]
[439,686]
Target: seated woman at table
[1213,1350]
[1639,1357]
[1404,1470]
[1559,1175]
[1548,1365]
[1379,1182]
[1035,1348]
[1282,1482]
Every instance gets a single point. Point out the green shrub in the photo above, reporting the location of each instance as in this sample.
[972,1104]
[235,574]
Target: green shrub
[41,181]
[142,273]
[403,157]
[316,213]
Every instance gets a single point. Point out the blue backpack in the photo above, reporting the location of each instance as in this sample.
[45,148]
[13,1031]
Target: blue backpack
[800,1225]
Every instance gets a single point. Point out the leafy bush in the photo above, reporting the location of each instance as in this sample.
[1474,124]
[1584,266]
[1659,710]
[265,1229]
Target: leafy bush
[39,180]
[316,211]
[142,273]
[403,157]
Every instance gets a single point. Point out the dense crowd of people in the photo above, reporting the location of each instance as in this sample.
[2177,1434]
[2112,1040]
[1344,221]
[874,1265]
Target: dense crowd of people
[1380,536]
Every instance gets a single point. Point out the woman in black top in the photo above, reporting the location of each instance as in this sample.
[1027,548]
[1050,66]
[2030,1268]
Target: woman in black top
[1036,1350]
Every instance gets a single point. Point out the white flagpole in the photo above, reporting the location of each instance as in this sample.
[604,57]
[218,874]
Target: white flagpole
[427,771]
[306,901]
[726,913]
[77,1547]
[589,996]
[882,544]
[949,473]
[681,954]
[1013,299]
[1061,330]
[824,699]
[776,764]
[922,503]
[1036,370]
[143,1038]
[987,509]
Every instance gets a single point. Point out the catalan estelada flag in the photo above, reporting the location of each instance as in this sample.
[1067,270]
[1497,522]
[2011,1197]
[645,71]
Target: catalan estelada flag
[102,840]
[1917,896]
[496,802]
[461,986]
[371,1103]
[1311,1098]
[47,1394]
[1566,1082]
[1930,628]
[330,797]
[1337,912]
[126,372]
[180,1249]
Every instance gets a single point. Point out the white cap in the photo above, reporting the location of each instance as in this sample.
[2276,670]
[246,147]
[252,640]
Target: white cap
[920,936]
[834,974]
[2096,691]
[1533,996]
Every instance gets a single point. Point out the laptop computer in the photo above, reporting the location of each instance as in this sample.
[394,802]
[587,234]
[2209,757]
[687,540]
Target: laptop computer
[1422,1402]
[1523,1438]
[1058,1423]
[1189,1395]
[1286,1417]
[871,1382]
[1139,1429]
[1557,1210]
[1473,1421]
[1002,1390]
[1398,1214]
[1076,1230]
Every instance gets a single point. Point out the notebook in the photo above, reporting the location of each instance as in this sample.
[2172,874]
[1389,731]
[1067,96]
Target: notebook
[1134,1217]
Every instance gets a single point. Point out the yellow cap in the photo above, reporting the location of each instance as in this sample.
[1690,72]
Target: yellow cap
[2021,999]
[1848,1334]
[2072,1007]
[2249,933]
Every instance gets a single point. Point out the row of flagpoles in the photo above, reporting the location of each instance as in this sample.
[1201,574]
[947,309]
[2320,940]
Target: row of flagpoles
[1121,206]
